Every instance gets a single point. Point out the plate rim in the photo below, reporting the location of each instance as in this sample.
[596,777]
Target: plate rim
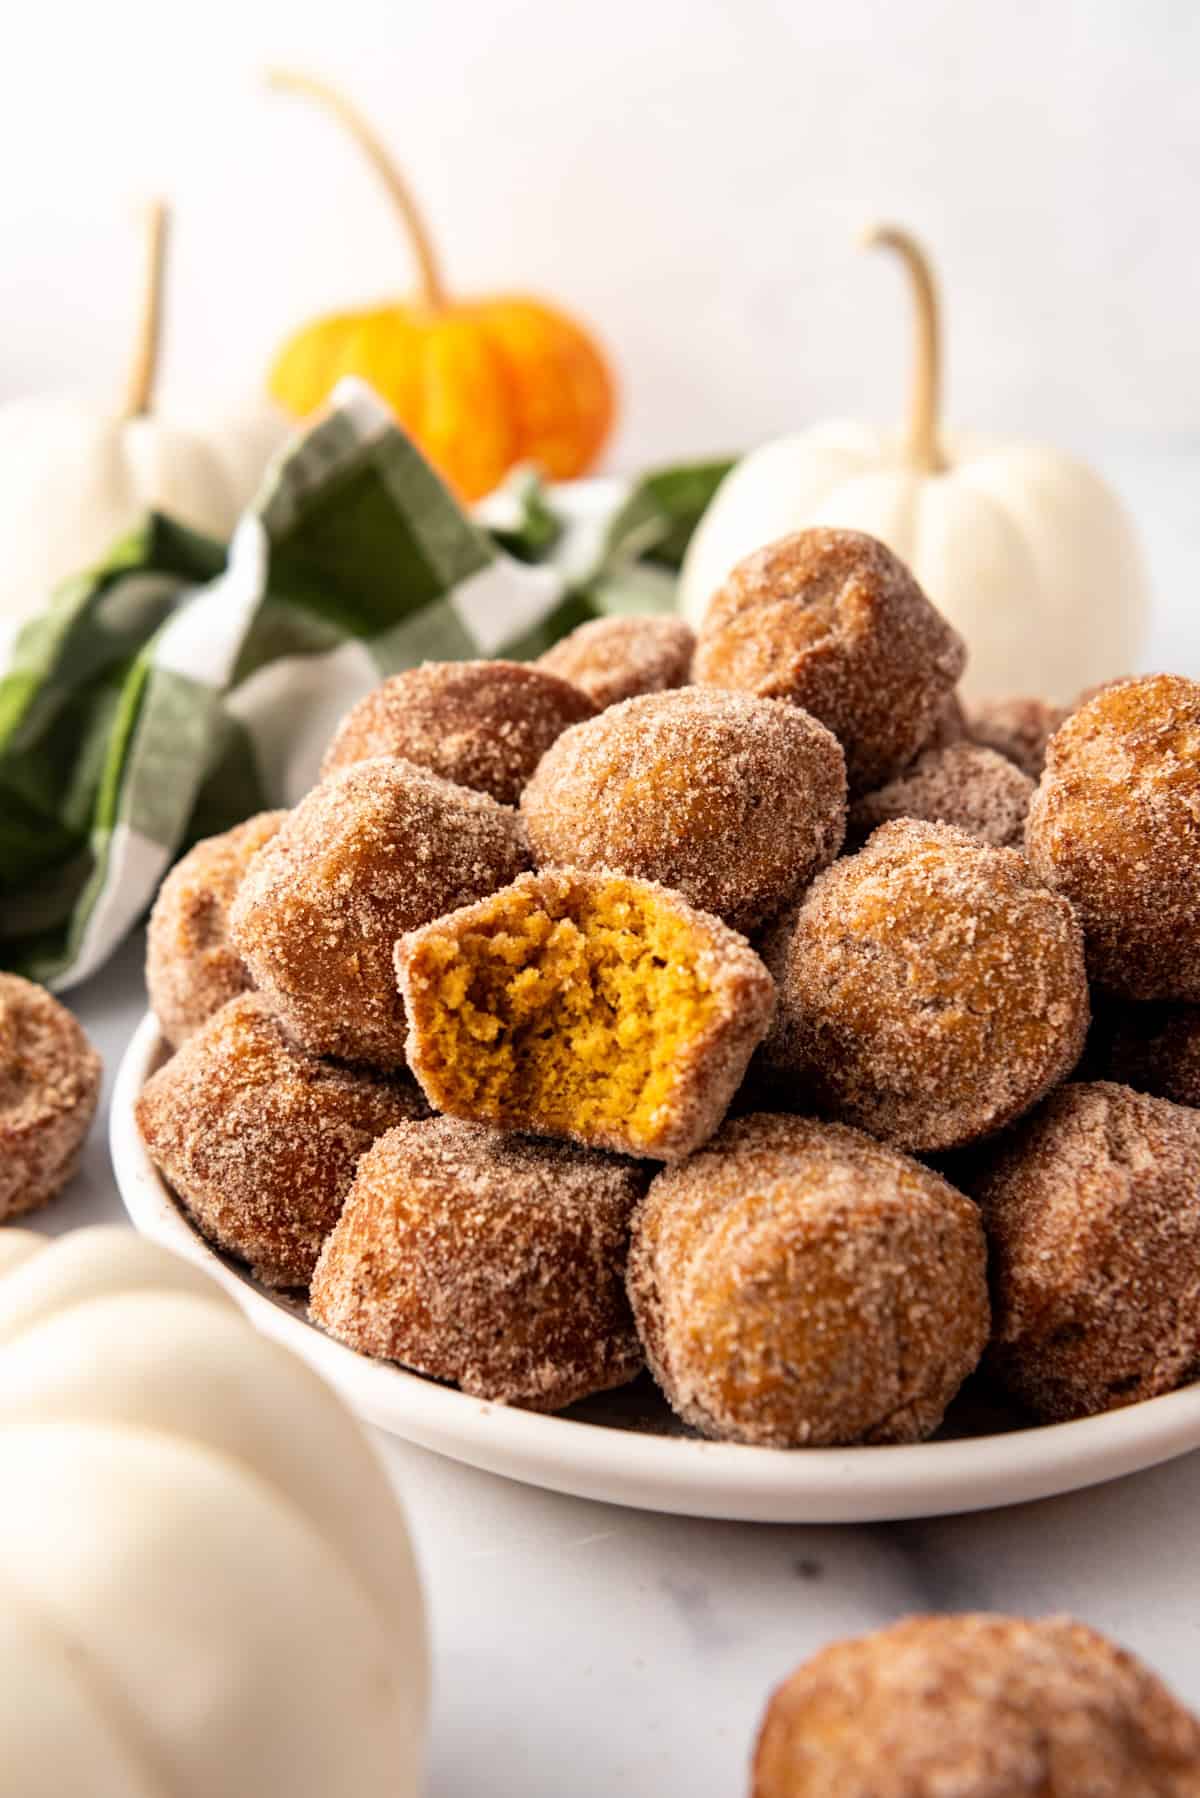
[674,1474]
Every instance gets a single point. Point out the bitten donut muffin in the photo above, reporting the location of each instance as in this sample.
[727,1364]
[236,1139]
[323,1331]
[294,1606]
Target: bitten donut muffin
[587,1006]
[611,659]
[497,1262]
[1017,728]
[260,1139]
[1153,1048]
[976,1706]
[797,1283]
[962,784]
[370,853]
[1092,1211]
[49,1085]
[734,802]
[481,724]
[1115,826]
[930,989]
[833,621]
[192,968]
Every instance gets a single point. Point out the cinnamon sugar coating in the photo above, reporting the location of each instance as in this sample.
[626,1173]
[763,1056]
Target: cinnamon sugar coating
[483,725]
[796,1283]
[1017,728]
[1153,1048]
[734,802]
[832,621]
[493,1261]
[49,1085]
[930,989]
[375,850]
[192,969]
[260,1140]
[976,1706]
[592,1007]
[1115,826]
[1092,1211]
[961,784]
[612,659]
[950,725]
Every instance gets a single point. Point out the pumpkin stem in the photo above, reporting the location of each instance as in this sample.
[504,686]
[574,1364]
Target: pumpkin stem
[924,449]
[429,278]
[139,388]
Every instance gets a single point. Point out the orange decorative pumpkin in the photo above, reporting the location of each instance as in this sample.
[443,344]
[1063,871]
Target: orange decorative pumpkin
[480,384]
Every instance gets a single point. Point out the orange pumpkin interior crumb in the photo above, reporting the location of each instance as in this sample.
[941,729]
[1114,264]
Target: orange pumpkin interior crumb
[570,1023]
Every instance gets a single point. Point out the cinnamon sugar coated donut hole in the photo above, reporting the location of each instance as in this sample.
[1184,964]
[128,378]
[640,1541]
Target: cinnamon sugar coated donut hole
[798,1283]
[481,724]
[734,802]
[1092,1211]
[832,621]
[372,852]
[617,658]
[1153,1048]
[192,969]
[960,784]
[493,1261]
[587,1006]
[930,989]
[976,1706]
[1115,826]
[1017,728]
[49,1085]
[260,1139]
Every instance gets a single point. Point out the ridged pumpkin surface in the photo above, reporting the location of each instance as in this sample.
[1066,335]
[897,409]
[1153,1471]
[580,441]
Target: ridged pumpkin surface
[480,385]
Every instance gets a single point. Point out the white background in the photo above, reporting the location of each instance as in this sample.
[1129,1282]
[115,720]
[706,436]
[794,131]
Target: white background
[689,174]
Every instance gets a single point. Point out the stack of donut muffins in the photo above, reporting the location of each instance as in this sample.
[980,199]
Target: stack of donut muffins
[739,1007]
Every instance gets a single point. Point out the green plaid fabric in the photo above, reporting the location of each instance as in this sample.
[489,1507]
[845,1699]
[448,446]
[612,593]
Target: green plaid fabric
[184,685]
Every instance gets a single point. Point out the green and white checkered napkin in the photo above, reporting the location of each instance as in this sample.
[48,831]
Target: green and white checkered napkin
[180,687]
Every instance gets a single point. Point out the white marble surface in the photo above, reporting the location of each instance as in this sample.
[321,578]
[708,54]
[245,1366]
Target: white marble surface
[585,1649]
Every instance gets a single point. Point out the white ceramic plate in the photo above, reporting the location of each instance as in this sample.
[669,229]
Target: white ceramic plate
[625,1448]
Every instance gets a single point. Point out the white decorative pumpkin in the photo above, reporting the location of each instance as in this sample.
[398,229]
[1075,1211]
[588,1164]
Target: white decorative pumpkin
[73,480]
[1026,551]
[206,1584]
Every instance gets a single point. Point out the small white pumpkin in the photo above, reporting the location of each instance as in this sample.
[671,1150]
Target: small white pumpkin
[206,1584]
[1026,551]
[72,480]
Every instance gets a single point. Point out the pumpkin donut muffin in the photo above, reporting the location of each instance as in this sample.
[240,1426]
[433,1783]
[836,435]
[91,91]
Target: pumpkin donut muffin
[1153,1048]
[493,1261]
[1017,728]
[832,621]
[734,802]
[1115,826]
[617,658]
[483,725]
[976,1706]
[962,784]
[191,967]
[260,1139]
[49,1085]
[796,1283]
[586,1006]
[930,989]
[370,853]
[1092,1211]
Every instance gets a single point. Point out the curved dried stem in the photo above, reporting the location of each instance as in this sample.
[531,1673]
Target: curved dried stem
[429,277]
